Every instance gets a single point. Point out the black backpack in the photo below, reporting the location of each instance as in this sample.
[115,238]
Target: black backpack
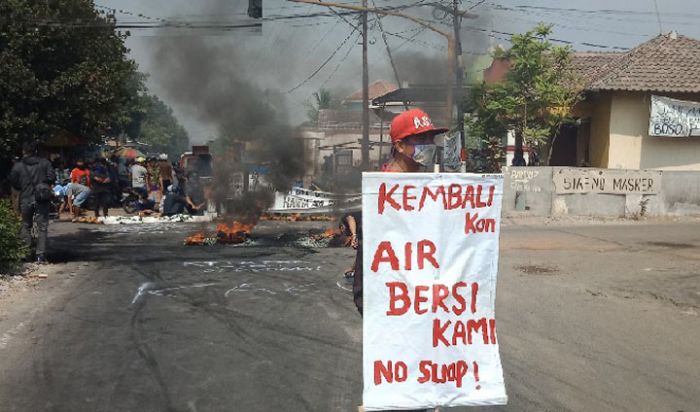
[42,191]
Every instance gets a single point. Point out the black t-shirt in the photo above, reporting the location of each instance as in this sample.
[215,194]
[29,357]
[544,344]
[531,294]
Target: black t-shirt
[100,172]
[195,192]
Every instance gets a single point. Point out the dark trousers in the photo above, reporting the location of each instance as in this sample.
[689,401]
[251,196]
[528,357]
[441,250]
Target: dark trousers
[101,200]
[39,212]
[357,279]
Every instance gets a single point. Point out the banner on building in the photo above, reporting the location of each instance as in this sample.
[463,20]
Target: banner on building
[430,259]
[673,117]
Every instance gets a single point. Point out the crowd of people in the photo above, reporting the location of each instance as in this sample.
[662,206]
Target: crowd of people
[159,186]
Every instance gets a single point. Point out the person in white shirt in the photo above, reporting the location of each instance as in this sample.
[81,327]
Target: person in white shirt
[139,176]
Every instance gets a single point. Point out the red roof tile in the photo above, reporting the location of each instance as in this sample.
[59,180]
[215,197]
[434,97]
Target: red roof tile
[666,63]
[376,89]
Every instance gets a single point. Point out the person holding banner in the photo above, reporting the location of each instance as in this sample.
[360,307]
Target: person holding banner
[432,245]
[413,150]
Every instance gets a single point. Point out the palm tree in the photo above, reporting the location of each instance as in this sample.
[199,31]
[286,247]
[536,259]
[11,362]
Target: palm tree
[322,100]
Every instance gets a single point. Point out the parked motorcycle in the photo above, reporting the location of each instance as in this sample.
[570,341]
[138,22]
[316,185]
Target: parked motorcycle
[130,200]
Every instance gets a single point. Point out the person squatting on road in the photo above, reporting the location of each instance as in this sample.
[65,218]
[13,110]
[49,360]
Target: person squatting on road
[77,196]
[413,150]
[32,177]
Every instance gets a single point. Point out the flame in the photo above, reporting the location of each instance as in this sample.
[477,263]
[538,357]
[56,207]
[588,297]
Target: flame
[236,227]
[331,232]
[196,239]
[237,232]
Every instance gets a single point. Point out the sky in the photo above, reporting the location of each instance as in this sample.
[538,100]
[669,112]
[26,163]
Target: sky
[288,51]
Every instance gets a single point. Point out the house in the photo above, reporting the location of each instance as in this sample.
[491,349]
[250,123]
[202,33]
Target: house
[333,145]
[612,128]
[432,98]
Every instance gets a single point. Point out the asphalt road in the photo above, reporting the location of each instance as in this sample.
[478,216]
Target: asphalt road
[591,318]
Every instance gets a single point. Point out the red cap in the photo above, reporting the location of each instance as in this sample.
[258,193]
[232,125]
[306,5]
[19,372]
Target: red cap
[412,122]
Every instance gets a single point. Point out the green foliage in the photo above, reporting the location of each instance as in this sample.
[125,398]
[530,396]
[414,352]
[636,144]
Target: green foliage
[536,97]
[322,99]
[12,249]
[158,127]
[62,66]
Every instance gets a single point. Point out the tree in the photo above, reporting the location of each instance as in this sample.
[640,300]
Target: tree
[535,99]
[322,100]
[156,125]
[62,66]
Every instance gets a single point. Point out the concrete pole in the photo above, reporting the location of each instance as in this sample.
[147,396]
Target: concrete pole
[365,93]
[459,73]
[451,56]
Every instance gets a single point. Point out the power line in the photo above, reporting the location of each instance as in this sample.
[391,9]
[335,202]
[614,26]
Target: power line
[315,72]
[388,51]
[489,32]
[422,29]
[658,16]
[340,63]
[412,40]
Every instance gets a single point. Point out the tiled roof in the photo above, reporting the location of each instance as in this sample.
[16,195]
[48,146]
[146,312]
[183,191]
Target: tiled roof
[589,66]
[666,63]
[376,89]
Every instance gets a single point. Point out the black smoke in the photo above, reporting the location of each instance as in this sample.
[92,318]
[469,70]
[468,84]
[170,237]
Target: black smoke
[206,77]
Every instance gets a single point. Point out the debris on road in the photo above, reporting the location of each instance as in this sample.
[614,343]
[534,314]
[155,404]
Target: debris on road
[126,220]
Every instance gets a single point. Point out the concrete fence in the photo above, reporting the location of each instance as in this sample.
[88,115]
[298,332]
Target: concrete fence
[556,191]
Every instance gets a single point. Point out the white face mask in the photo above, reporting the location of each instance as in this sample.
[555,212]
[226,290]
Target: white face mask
[424,155]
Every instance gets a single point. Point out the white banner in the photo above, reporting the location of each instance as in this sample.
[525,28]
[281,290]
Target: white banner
[673,117]
[430,263]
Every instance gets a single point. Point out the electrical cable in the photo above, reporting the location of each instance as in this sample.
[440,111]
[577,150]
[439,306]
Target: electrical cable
[388,52]
[315,72]
[340,63]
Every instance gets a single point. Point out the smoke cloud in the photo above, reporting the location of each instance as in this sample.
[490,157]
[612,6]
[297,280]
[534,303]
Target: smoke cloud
[205,77]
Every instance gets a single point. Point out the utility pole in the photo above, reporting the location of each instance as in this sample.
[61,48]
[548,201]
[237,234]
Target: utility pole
[451,56]
[458,71]
[365,92]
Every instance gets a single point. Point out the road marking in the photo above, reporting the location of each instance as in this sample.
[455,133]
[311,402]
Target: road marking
[148,288]
[342,287]
[141,290]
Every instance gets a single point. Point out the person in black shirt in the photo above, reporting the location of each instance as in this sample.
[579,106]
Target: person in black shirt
[32,177]
[174,202]
[194,195]
[101,187]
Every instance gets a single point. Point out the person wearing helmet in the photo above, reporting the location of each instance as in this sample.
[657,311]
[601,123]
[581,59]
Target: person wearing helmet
[413,142]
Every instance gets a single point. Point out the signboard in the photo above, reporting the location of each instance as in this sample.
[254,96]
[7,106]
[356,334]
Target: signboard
[673,117]
[621,182]
[430,262]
